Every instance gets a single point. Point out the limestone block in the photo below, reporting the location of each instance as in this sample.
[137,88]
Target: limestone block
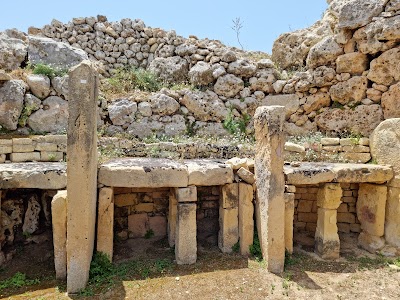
[392,219]
[371,205]
[31,218]
[291,103]
[289,214]
[237,163]
[354,89]
[355,157]
[137,225]
[5,146]
[208,172]
[229,195]
[371,243]
[59,220]
[158,224]
[122,200]
[51,156]
[2,158]
[46,147]
[186,235]
[246,222]
[23,157]
[354,63]
[228,234]
[346,218]
[305,206]
[246,175]
[172,218]
[329,196]
[23,145]
[105,222]
[188,194]
[144,207]
[330,141]
[327,243]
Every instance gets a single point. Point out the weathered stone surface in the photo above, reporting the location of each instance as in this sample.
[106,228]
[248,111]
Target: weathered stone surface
[122,111]
[270,209]
[371,205]
[39,85]
[246,221]
[385,68]
[229,196]
[323,76]
[53,117]
[385,144]
[59,221]
[188,194]
[31,219]
[357,13]
[137,225]
[46,176]
[327,243]
[201,74]
[351,120]
[60,85]
[353,63]
[228,234]
[316,101]
[329,196]
[4,76]
[11,103]
[242,68]
[314,173]
[170,69]
[228,85]
[105,222]
[289,214]
[13,51]
[205,106]
[379,35]
[370,242]
[323,53]
[392,218]
[172,218]
[205,172]
[390,102]
[158,224]
[352,90]
[185,243]
[82,173]
[237,163]
[143,172]
[57,54]
[246,175]
[290,102]
[163,105]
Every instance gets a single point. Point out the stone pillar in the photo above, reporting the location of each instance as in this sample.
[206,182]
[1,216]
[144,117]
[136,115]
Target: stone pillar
[186,231]
[228,234]
[105,222]
[81,173]
[289,214]
[59,220]
[392,218]
[246,221]
[172,218]
[270,181]
[327,243]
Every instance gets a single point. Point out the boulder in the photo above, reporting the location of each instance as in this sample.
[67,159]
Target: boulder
[242,68]
[205,106]
[171,69]
[390,102]
[53,117]
[122,111]
[60,84]
[323,76]
[358,13]
[163,105]
[351,120]
[201,74]
[57,54]
[323,53]
[39,85]
[291,103]
[11,103]
[378,36]
[385,69]
[316,101]
[354,63]
[228,85]
[13,51]
[354,89]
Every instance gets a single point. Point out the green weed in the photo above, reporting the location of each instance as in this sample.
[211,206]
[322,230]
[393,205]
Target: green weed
[49,71]
[129,79]
[18,280]
[236,247]
[236,126]
[149,234]
[255,248]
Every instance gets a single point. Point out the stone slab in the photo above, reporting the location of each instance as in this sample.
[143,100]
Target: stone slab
[44,175]
[105,222]
[204,172]
[59,209]
[186,235]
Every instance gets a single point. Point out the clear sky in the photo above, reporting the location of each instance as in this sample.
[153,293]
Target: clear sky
[263,20]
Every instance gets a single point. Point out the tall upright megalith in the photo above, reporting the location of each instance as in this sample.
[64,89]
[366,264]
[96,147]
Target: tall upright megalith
[81,173]
[270,204]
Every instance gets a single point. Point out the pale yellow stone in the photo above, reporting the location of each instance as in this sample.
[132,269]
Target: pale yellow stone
[246,175]
[392,219]
[329,196]
[5,149]
[105,222]
[172,218]
[371,206]
[246,221]
[23,145]
[188,194]
[46,147]
[229,195]
[369,242]
[186,235]
[23,157]
[228,234]
[289,214]
[327,243]
[51,156]
[59,222]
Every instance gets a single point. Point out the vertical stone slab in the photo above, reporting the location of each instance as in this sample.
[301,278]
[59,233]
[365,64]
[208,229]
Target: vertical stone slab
[172,218]
[105,222]
[270,139]
[81,173]
[327,243]
[392,218]
[59,220]
[246,221]
[186,236]
[289,215]
[228,234]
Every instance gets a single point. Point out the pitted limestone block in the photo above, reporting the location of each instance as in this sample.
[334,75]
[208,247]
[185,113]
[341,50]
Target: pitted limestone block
[246,222]
[329,196]
[206,172]
[25,157]
[188,194]
[59,213]
[371,205]
[392,219]
[289,215]
[105,222]
[186,234]
[23,145]
[327,243]
[371,243]
[229,195]
[228,234]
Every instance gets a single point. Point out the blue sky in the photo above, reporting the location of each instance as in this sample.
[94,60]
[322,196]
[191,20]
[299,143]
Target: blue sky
[263,20]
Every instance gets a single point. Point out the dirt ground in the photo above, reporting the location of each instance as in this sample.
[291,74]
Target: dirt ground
[146,271]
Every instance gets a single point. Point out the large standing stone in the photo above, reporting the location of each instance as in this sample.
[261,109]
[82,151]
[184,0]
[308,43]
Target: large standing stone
[105,222]
[81,173]
[186,236]
[59,220]
[11,103]
[172,218]
[228,234]
[268,124]
[392,219]
[246,221]
[289,215]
